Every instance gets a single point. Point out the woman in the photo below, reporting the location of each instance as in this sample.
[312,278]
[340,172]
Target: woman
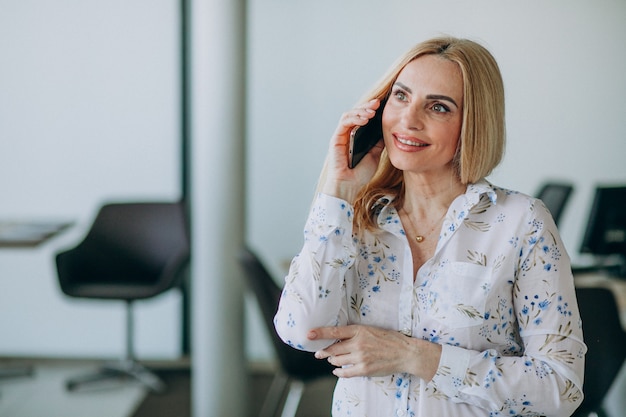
[434,292]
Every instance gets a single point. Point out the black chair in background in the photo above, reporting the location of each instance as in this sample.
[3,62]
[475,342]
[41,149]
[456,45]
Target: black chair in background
[132,251]
[297,368]
[555,196]
[606,342]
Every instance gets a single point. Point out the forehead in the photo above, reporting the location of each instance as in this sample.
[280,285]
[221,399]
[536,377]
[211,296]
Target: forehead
[432,74]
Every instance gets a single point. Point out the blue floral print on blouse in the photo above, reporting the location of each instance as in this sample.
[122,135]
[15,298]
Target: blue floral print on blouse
[498,295]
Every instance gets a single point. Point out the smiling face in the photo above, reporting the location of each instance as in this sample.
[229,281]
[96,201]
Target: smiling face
[423,116]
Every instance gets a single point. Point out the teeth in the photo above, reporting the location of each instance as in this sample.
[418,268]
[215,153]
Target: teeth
[411,143]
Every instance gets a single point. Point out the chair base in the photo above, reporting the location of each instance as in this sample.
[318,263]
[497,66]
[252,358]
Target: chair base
[124,370]
[276,393]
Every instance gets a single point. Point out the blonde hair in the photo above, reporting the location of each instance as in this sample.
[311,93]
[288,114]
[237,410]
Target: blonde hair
[481,144]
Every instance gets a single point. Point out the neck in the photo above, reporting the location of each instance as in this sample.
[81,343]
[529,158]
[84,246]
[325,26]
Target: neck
[427,197]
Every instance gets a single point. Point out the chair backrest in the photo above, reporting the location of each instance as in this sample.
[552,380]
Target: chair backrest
[295,363]
[132,251]
[606,342]
[555,197]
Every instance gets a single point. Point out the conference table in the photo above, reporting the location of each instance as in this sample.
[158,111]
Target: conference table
[24,234]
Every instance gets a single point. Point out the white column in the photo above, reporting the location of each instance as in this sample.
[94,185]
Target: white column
[217,104]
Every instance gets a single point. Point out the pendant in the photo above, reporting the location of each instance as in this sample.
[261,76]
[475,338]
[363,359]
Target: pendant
[419,238]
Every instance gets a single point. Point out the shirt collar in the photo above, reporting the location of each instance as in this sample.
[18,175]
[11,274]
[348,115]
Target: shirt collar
[477,189]
[389,220]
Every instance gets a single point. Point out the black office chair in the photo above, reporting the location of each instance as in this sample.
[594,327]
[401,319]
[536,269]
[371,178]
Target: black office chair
[297,368]
[555,196]
[132,251]
[606,342]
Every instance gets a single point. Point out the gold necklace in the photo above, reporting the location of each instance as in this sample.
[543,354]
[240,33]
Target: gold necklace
[421,238]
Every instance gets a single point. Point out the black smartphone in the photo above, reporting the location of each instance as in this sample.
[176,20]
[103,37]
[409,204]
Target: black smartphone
[363,138]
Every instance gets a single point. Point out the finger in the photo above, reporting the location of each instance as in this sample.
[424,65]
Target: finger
[332,333]
[373,104]
[350,120]
[347,371]
[340,349]
[322,354]
[361,115]
[358,116]
[332,350]
[341,361]
[364,113]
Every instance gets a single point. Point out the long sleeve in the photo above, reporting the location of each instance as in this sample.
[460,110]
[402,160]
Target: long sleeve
[545,377]
[314,291]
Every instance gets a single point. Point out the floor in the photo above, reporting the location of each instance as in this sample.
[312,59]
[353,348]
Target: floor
[43,393]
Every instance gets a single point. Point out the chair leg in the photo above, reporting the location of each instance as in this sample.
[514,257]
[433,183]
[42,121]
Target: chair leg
[133,368]
[125,369]
[296,389]
[274,395]
[104,374]
[146,378]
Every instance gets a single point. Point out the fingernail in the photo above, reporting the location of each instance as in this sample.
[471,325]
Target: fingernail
[311,335]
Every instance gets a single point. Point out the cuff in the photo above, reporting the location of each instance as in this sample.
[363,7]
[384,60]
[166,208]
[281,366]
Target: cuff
[329,213]
[452,369]
[336,210]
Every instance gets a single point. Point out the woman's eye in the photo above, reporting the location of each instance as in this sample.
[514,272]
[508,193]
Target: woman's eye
[400,95]
[440,108]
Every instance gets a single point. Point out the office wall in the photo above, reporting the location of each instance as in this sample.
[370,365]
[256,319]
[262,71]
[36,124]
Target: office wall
[563,64]
[89,112]
[89,104]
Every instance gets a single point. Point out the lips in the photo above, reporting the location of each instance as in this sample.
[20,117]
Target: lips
[409,142]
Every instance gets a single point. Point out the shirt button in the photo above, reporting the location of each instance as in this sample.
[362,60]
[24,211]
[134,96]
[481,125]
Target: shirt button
[400,413]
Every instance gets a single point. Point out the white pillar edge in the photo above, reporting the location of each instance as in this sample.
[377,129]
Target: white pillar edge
[217,128]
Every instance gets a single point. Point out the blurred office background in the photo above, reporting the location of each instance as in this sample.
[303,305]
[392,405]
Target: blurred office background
[90,111]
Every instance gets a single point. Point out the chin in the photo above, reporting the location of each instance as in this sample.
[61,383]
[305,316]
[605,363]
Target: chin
[403,163]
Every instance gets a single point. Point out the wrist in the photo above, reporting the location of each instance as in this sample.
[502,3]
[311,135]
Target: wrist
[342,190]
[424,358]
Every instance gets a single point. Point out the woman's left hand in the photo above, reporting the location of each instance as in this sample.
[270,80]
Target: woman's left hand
[372,351]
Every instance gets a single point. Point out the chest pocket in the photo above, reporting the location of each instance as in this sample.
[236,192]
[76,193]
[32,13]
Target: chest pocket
[458,295]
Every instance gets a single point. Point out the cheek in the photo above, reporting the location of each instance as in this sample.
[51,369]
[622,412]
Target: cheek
[449,140]
[386,119]
[388,122]
[386,132]
[452,134]
[452,145]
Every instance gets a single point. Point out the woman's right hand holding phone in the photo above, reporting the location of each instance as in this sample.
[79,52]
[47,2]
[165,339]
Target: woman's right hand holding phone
[340,181]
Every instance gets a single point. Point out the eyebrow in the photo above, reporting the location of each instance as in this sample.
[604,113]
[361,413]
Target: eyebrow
[429,96]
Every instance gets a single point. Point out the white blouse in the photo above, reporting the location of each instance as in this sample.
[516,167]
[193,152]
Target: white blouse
[498,295]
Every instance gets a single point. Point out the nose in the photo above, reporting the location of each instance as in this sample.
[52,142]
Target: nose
[413,118]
